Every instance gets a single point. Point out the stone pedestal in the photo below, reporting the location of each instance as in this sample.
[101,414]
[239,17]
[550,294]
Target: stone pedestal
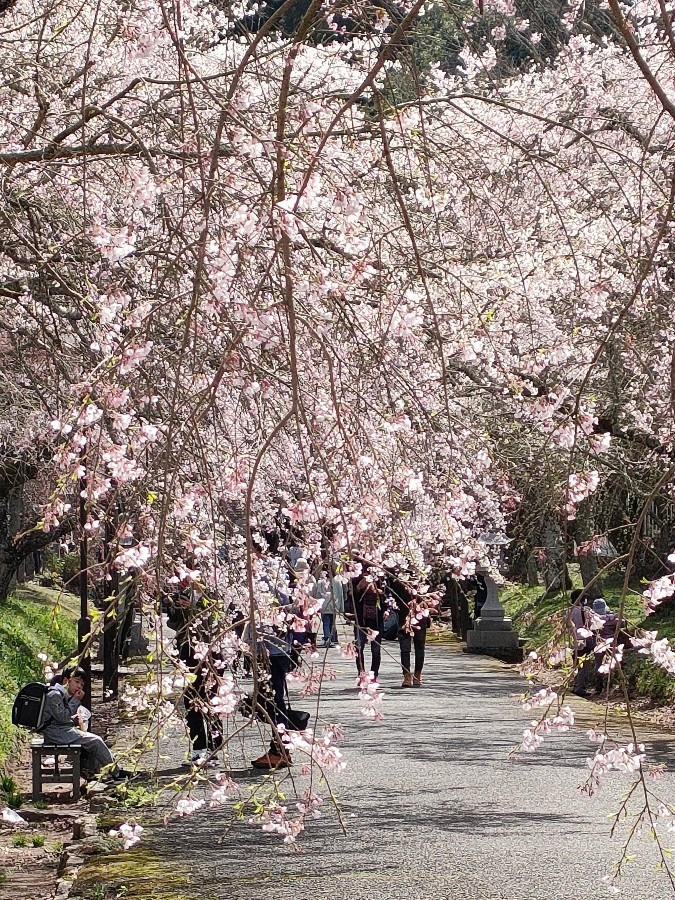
[493,633]
[138,642]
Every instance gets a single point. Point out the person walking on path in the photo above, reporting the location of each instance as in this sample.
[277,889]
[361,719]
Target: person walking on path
[301,598]
[63,700]
[411,633]
[275,653]
[367,614]
[330,592]
[188,618]
[583,642]
[279,666]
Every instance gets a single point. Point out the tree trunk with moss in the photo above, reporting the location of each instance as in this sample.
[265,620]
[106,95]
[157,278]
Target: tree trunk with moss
[19,540]
[554,565]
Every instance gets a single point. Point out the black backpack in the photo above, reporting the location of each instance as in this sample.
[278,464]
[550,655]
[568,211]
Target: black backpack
[28,709]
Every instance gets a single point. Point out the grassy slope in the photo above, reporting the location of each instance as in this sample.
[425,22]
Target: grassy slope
[33,620]
[644,677]
[541,622]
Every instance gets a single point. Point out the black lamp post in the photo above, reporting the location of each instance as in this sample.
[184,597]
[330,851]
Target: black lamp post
[84,622]
[110,626]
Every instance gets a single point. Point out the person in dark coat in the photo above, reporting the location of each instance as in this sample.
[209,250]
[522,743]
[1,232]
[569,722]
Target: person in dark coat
[410,633]
[583,643]
[188,617]
[480,596]
[365,608]
[276,655]
[60,716]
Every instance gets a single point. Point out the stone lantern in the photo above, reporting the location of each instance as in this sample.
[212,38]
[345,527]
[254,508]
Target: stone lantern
[493,634]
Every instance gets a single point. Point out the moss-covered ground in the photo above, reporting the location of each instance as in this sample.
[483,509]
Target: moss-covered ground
[136,875]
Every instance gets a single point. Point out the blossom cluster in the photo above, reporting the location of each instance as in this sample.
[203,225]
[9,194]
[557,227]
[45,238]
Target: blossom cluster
[533,737]
[130,833]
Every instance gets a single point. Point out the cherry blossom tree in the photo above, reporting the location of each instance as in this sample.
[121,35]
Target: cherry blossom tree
[242,274]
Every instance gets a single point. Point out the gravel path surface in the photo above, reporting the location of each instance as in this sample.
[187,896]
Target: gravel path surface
[432,806]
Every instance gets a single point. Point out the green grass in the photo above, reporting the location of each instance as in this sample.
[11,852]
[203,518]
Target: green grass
[33,620]
[541,620]
[542,623]
[537,620]
[50,598]
[645,678]
[10,794]
[663,621]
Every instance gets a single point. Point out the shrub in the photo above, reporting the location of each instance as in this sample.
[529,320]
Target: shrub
[64,569]
[9,792]
[70,570]
[645,679]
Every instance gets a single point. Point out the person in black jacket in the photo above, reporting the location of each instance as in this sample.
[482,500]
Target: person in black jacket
[410,632]
[188,618]
[365,608]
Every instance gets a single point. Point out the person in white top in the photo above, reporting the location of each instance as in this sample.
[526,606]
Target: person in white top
[330,592]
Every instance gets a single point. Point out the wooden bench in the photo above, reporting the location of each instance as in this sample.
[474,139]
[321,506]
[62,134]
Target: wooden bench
[55,773]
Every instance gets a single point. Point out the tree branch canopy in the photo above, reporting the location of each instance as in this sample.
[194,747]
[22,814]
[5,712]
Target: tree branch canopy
[15,472]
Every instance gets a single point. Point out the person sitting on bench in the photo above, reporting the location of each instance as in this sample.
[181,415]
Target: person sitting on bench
[60,717]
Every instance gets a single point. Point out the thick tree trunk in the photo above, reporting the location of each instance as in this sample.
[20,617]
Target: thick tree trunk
[20,539]
[532,570]
[516,569]
[554,567]
[16,523]
[588,562]
[7,573]
[16,548]
[7,569]
[588,566]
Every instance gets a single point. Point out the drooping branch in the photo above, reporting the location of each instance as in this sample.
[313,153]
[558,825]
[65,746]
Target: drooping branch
[88,150]
[37,539]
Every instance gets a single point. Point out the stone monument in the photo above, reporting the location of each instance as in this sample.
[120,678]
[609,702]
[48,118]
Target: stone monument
[493,634]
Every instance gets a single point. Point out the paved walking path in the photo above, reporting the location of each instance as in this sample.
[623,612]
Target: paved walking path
[433,808]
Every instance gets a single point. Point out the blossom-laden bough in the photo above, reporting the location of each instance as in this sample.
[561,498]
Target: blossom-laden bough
[256,276]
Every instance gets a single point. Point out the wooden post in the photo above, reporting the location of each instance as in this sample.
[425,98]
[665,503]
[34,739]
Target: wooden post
[76,775]
[37,776]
